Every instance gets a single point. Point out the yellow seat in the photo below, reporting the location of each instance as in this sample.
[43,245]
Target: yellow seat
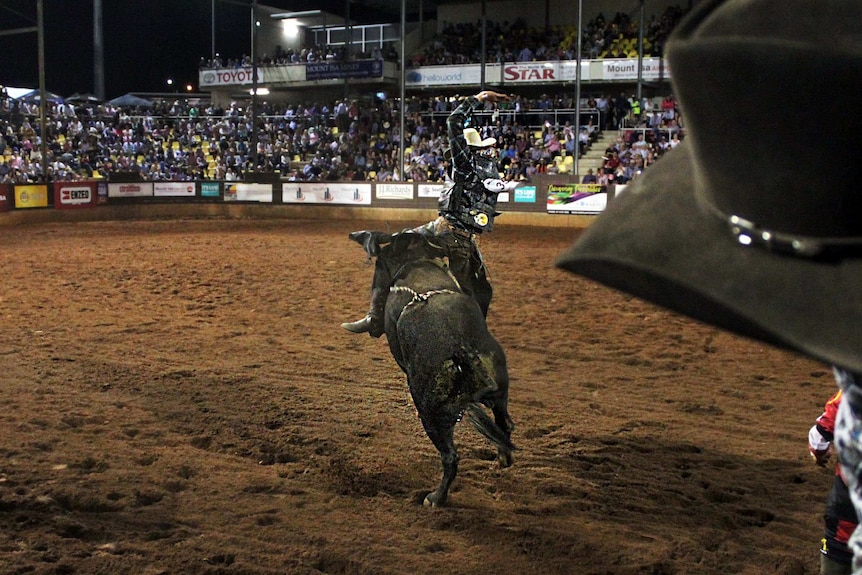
[175,145]
[97,174]
[334,130]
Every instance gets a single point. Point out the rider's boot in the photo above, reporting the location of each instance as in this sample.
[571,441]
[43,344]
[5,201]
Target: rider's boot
[372,323]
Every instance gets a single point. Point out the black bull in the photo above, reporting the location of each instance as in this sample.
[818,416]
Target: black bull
[438,336]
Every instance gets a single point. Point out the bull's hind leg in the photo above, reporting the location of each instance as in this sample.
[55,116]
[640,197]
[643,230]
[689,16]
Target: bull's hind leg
[442,436]
[504,422]
[500,407]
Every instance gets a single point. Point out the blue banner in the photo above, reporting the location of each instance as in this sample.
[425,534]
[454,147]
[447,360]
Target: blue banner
[341,70]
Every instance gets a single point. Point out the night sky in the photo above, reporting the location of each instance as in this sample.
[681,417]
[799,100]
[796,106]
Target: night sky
[145,43]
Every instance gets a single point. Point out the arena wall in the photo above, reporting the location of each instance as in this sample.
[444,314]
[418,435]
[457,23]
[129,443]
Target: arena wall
[102,200]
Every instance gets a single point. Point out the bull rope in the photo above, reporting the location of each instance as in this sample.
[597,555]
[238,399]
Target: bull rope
[419,297]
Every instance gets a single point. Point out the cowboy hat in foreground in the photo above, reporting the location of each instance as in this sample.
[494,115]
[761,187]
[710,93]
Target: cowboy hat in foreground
[754,223]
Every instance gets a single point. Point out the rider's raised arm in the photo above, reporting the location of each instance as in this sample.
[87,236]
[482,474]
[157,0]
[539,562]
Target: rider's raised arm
[460,118]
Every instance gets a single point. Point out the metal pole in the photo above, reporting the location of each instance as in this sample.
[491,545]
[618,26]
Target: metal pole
[98,52]
[482,69]
[212,30]
[253,144]
[641,51]
[43,124]
[578,91]
[349,31]
[403,64]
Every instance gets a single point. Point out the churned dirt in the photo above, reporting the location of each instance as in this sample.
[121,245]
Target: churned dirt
[178,398]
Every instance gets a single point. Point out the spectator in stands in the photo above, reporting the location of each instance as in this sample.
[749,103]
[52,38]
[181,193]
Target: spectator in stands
[589,177]
[526,55]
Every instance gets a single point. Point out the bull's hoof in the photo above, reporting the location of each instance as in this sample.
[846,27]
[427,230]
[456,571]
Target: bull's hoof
[433,500]
[505,459]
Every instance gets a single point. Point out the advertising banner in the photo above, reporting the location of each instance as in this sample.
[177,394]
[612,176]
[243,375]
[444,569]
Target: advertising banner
[130,190]
[394,191]
[340,70]
[576,199]
[6,197]
[443,75]
[326,193]
[551,71]
[430,190]
[229,76]
[31,196]
[530,72]
[72,195]
[238,192]
[183,189]
[627,69]
[210,189]
[289,73]
[102,187]
[525,194]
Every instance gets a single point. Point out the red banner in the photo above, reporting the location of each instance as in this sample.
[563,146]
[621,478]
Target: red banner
[73,195]
[6,197]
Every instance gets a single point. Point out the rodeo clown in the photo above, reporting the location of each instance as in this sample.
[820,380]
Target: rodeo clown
[466,209]
[839,519]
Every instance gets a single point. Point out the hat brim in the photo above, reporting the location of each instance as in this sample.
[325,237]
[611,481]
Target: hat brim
[484,143]
[657,243]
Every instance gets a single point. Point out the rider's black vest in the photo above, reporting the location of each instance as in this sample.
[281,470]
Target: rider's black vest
[468,204]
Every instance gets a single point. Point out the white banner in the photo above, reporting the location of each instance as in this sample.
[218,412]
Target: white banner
[430,190]
[231,76]
[394,192]
[556,71]
[624,69]
[75,195]
[326,193]
[445,75]
[238,192]
[130,190]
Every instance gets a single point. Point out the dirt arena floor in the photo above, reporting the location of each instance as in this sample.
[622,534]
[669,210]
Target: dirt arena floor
[178,398]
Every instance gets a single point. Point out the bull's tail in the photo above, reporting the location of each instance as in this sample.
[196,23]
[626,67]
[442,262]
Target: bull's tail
[475,373]
[488,427]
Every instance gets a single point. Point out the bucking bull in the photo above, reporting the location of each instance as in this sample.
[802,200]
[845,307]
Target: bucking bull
[438,336]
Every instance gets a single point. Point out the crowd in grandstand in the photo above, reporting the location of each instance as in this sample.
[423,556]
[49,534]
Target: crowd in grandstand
[341,140]
[461,43]
[616,37]
[351,140]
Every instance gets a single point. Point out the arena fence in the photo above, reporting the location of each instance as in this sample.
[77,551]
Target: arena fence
[546,201]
